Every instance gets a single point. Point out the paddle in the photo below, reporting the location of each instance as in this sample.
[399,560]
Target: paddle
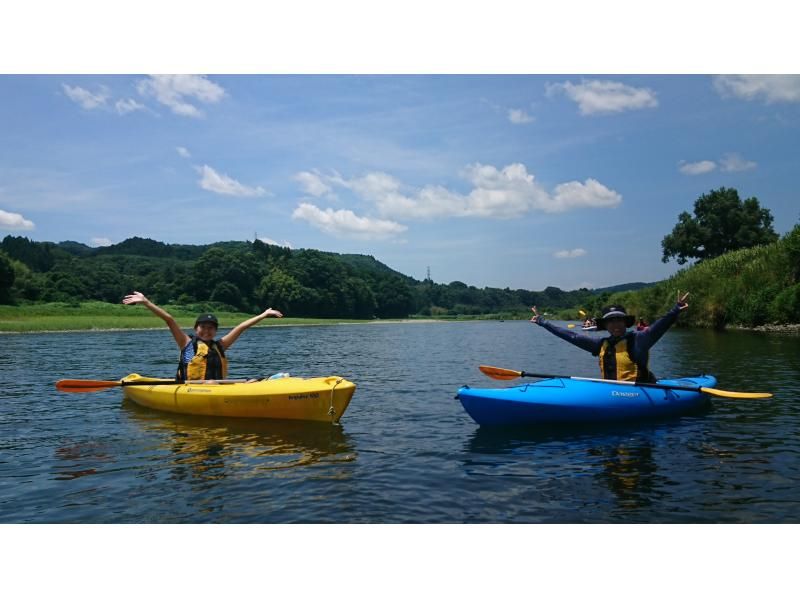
[94,385]
[504,374]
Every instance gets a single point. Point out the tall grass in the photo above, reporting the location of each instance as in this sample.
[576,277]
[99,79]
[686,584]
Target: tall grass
[748,287]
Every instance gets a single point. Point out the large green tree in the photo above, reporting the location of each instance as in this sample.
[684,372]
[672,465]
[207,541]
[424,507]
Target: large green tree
[721,223]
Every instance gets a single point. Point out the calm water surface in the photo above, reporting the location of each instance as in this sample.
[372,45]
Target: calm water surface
[405,450]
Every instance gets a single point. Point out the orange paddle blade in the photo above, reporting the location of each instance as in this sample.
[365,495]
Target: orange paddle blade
[499,373]
[85,385]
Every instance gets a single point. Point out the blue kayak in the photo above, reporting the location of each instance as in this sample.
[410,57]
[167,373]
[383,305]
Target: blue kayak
[570,400]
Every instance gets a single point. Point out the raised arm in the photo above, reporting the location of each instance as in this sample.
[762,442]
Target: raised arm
[656,330]
[231,337]
[181,338]
[582,341]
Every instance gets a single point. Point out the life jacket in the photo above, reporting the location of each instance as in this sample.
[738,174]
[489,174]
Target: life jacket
[616,362]
[209,362]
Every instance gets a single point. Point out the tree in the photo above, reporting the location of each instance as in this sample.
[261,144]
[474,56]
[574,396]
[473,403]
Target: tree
[721,223]
[7,276]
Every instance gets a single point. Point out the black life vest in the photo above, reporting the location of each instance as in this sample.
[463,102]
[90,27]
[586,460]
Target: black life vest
[209,362]
[617,363]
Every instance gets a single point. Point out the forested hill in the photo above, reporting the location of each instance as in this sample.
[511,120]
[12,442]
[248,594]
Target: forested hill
[249,276]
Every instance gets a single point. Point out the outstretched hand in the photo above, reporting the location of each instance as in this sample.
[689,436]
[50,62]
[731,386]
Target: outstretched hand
[133,298]
[269,312]
[536,317]
[682,300]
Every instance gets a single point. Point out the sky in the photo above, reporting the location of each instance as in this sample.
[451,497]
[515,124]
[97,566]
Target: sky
[501,180]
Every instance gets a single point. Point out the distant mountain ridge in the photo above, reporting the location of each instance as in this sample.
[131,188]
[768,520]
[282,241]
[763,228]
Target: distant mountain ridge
[246,275]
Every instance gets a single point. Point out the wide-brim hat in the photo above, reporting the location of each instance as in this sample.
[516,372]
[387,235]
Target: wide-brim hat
[206,319]
[614,311]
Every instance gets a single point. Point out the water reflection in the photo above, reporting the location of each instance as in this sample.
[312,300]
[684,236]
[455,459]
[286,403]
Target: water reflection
[80,459]
[213,448]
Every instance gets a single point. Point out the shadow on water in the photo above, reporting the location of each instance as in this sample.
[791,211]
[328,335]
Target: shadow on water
[214,447]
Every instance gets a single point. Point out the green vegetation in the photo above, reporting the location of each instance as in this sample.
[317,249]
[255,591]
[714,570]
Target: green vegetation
[721,223]
[96,315]
[47,281]
[748,287]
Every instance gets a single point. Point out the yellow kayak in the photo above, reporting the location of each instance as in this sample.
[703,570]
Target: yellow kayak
[315,399]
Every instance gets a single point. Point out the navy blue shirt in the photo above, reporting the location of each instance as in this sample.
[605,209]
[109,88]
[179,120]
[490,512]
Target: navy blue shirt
[641,347]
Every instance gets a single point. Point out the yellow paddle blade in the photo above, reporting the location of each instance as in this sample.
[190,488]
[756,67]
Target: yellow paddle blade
[583,313]
[499,373]
[731,394]
[570,325]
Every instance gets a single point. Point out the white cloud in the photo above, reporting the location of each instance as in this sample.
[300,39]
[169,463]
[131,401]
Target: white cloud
[344,223]
[175,91]
[496,193]
[589,194]
[224,185]
[519,117]
[570,253]
[695,168]
[85,98]
[13,221]
[269,241]
[101,241]
[313,183]
[735,163]
[598,97]
[769,88]
[183,152]
[127,106]
[728,163]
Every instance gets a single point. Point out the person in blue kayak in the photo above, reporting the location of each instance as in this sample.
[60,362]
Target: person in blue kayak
[624,354]
[202,356]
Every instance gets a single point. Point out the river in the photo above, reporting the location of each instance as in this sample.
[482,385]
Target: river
[405,451]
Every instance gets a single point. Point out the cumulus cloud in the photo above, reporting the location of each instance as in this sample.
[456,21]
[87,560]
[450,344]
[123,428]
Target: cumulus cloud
[570,253]
[769,88]
[312,183]
[176,92]
[215,182]
[101,241]
[496,193]
[345,223]
[604,97]
[183,152]
[13,221]
[735,163]
[519,116]
[695,168]
[127,106]
[85,98]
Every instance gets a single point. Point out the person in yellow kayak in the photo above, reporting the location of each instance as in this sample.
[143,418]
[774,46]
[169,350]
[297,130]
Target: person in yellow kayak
[202,356]
[624,354]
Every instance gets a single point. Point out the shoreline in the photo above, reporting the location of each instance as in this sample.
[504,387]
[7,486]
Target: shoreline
[146,328]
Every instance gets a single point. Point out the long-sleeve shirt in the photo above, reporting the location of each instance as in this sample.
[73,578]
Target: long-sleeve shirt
[641,347]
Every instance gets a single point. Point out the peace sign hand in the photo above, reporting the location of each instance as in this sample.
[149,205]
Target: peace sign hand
[536,319]
[682,300]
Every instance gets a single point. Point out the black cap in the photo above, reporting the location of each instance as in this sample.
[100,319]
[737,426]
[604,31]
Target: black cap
[206,318]
[614,311]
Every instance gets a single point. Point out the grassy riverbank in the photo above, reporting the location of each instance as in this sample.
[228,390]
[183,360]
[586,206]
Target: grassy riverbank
[97,315]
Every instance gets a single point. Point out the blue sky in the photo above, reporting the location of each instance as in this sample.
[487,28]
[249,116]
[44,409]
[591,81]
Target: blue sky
[518,181]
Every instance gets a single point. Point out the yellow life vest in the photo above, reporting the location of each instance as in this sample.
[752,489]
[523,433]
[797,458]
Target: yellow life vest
[208,363]
[616,362]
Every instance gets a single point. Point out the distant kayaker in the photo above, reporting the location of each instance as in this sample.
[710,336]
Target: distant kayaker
[624,354]
[202,356]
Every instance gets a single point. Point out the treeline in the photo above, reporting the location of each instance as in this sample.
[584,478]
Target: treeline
[249,276]
[748,287]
